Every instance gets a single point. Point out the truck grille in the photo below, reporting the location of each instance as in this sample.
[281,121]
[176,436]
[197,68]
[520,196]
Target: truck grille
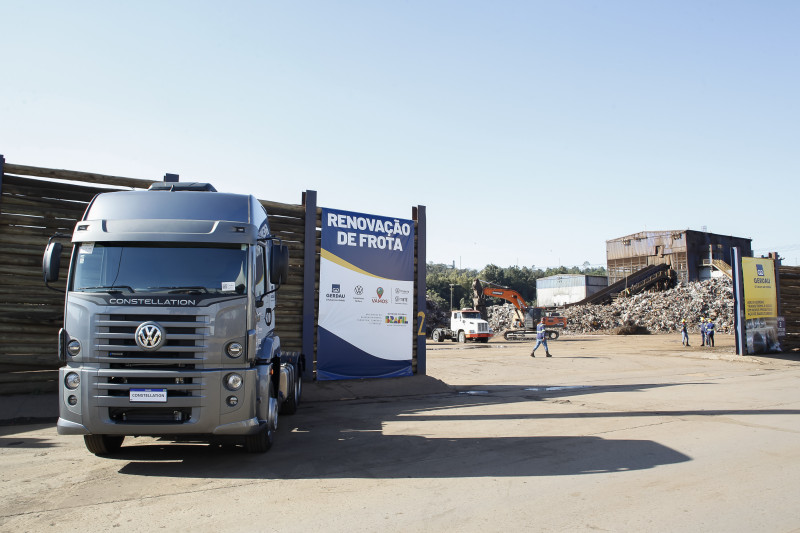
[184,389]
[150,415]
[483,327]
[184,345]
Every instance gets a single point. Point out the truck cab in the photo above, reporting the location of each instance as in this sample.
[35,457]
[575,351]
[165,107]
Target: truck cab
[465,324]
[169,320]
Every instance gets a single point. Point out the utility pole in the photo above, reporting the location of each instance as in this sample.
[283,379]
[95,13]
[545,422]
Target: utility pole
[451,297]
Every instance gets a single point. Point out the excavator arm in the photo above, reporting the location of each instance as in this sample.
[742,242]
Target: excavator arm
[522,307]
[512,296]
[508,294]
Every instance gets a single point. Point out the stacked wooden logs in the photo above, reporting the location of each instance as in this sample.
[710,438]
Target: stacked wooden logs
[789,307]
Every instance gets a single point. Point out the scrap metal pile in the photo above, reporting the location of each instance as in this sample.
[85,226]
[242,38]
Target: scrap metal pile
[657,312]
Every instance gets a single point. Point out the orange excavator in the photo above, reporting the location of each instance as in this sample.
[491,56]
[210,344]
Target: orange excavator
[524,325]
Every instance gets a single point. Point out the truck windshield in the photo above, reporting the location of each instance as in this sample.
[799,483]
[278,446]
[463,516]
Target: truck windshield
[475,315]
[168,267]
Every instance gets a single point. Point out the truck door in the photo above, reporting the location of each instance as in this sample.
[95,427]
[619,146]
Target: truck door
[263,307]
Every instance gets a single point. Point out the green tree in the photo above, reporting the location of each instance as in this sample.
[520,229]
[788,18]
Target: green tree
[439,277]
[521,279]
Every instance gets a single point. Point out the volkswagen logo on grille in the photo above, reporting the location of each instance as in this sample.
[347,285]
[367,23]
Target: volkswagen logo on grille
[150,336]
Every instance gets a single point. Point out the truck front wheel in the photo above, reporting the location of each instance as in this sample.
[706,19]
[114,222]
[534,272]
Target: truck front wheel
[462,337]
[103,444]
[261,441]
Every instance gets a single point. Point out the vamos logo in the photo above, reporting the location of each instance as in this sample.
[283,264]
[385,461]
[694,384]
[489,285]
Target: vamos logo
[380,299]
[335,293]
[397,319]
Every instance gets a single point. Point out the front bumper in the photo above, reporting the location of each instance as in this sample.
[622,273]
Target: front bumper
[197,403]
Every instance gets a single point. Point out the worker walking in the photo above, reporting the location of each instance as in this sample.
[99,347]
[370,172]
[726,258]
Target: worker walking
[541,338]
[709,333]
[702,331]
[684,333]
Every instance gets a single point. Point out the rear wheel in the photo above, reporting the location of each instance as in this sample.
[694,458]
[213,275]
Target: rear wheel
[103,444]
[437,336]
[289,407]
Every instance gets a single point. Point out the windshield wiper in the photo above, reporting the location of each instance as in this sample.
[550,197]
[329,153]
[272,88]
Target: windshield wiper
[189,290]
[112,289]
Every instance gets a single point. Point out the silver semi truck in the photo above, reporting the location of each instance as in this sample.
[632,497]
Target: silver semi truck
[169,320]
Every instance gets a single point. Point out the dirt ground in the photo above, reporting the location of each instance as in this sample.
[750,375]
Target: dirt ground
[611,433]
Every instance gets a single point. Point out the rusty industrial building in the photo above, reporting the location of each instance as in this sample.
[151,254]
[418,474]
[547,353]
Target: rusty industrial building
[693,255]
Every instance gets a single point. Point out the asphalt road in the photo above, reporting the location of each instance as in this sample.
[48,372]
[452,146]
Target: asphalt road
[610,434]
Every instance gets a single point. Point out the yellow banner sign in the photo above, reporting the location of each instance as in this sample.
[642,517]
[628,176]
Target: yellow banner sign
[760,288]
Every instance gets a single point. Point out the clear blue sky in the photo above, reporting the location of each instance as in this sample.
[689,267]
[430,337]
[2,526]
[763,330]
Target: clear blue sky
[532,131]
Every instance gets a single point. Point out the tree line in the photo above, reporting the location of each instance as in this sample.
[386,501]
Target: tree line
[440,277]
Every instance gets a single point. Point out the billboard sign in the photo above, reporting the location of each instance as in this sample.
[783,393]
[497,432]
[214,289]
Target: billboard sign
[761,321]
[366,296]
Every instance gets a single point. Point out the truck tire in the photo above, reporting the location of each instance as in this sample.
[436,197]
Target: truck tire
[437,336]
[103,444]
[261,442]
[462,337]
[289,407]
[552,335]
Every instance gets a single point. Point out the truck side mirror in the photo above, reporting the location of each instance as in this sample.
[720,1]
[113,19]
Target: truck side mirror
[279,264]
[51,261]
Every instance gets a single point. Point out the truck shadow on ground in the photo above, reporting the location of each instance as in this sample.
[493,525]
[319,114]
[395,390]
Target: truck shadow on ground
[399,456]
[363,439]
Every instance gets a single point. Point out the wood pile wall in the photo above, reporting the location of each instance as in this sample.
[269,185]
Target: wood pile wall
[789,289]
[288,222]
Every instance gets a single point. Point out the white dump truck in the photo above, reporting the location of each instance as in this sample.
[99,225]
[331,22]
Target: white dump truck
[169,321]
[465,325]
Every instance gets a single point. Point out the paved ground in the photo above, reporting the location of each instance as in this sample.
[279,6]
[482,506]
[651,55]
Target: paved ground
[611,434]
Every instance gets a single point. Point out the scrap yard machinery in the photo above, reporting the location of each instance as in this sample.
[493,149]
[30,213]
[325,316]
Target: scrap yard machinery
[527,317]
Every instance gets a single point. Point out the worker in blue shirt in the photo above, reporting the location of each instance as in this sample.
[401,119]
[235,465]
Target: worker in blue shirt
[702,331]
[541,335]
[709,332]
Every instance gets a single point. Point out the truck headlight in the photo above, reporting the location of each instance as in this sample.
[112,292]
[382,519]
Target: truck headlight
[74,347]
[233,381]
[72,381]
[234,349]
